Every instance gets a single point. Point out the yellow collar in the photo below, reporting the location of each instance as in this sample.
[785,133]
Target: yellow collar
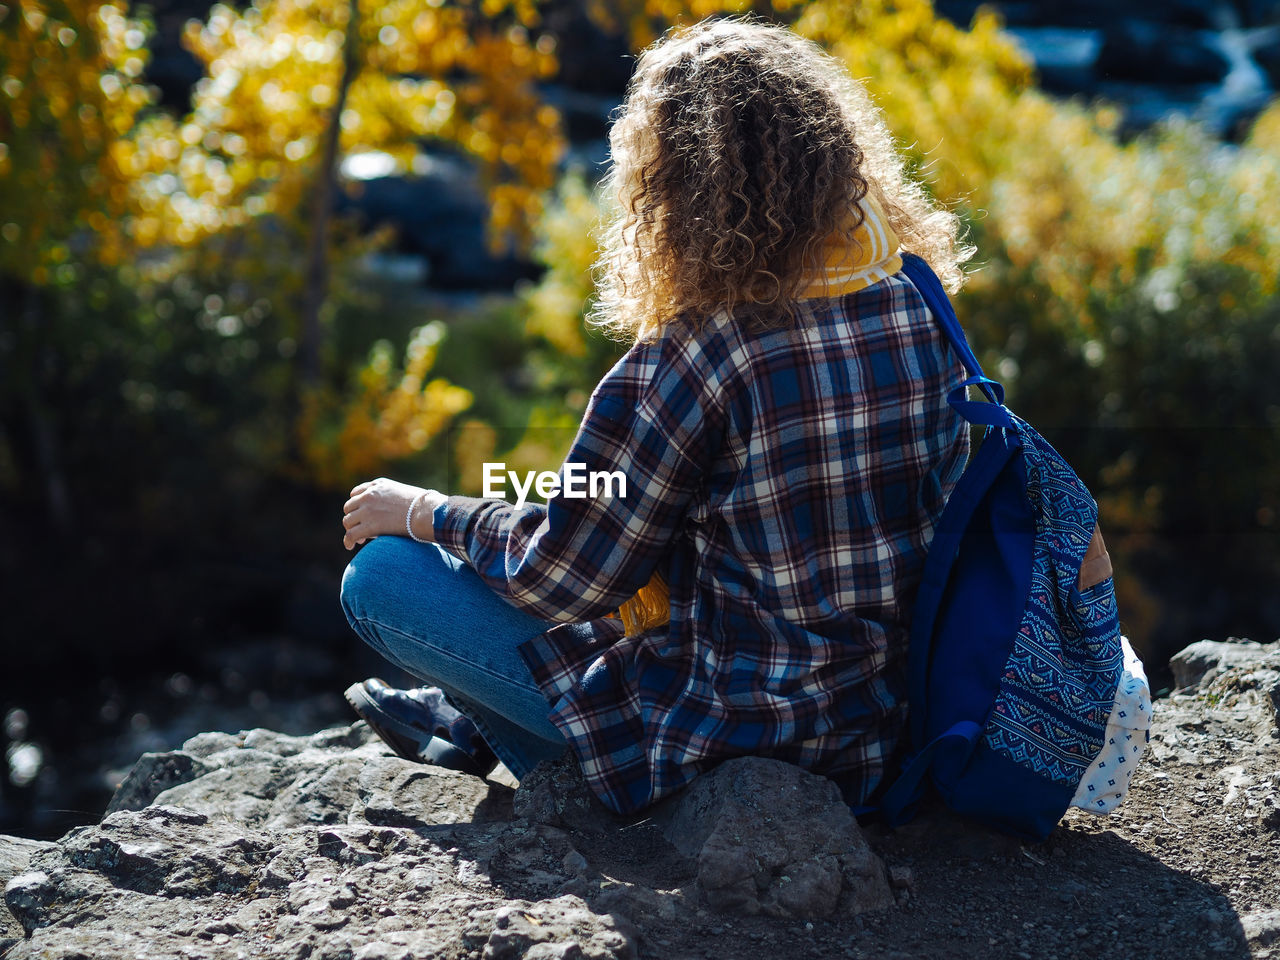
[848,269]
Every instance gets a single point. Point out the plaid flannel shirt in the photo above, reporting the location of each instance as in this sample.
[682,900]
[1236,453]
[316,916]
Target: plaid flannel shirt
[787,483]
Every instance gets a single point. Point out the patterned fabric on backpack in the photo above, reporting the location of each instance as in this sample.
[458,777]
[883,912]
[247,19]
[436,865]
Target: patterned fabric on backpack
[1060,681]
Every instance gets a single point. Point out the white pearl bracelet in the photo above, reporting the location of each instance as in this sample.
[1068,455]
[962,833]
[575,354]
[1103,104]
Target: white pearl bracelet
[408,520]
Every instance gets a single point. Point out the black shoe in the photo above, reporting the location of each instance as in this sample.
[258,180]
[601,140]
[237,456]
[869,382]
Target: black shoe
[421,725]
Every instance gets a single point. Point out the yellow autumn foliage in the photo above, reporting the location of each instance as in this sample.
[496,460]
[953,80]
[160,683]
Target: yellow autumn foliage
[422,71]
[69,90]
[566,244]
[643,21]
[1048,187]
[391,414]
[1053,189]
[1265,135]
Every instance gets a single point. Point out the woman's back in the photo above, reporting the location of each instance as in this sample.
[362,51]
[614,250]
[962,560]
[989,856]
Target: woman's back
[822,453]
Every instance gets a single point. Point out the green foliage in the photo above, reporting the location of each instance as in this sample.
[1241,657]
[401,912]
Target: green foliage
[1150,370]
[216,205]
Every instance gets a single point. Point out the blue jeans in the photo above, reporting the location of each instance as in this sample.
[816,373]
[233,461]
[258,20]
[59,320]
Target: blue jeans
[429,613]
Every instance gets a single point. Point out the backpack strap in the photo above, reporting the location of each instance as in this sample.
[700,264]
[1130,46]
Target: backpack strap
[993,414]
[899,801]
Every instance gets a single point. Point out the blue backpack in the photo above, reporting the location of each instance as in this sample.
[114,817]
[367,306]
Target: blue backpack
[1013,668]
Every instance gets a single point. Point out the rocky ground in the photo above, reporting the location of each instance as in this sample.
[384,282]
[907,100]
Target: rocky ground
[327,847]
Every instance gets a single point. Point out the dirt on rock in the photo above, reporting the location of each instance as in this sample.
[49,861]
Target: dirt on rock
[326,847]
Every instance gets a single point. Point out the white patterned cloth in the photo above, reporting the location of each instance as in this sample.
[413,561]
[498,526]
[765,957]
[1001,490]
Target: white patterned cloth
[1106,781]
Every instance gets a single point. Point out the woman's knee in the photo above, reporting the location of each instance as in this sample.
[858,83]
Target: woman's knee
[377,579]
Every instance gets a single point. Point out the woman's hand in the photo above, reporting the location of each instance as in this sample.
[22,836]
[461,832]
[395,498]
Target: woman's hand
[379,507]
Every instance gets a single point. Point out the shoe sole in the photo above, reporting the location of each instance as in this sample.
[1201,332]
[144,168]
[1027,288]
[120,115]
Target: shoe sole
[408,741]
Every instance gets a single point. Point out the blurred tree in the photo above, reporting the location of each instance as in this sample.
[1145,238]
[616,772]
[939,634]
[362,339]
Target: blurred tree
[643,21]
[181,268]
[236,198]
[68,91]
[391,416]
[294,86]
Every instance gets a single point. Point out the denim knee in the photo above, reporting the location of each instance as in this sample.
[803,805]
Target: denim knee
[359,584]
[381,571]
[373,584]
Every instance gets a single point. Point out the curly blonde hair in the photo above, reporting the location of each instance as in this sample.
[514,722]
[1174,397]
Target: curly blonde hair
[739,149]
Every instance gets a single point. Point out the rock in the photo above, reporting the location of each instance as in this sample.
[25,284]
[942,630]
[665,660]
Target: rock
[327,847]
[1200,663]
[555,794]
[205,744]
[27,898]
[1225,690]
[159,850]
[900,878]
[264,778]
[152,775]
[395,792]
[1261,929]
[563,929]
[771,838]
[15,858]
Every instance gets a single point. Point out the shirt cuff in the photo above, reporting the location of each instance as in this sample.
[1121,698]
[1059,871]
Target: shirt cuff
[451,522]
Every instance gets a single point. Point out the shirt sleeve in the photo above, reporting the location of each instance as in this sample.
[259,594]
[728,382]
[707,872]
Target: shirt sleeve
[648,429]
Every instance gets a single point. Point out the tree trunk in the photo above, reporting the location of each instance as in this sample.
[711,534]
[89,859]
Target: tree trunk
[315,288]
[35,363]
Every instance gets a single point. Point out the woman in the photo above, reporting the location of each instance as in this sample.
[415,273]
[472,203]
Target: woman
[781,422]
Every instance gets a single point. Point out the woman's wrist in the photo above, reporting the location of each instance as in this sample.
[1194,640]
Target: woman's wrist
[419,523]
[408,520]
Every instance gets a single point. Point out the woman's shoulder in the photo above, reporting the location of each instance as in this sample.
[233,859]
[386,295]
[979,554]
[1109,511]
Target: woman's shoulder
[890,304]
[684,366]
